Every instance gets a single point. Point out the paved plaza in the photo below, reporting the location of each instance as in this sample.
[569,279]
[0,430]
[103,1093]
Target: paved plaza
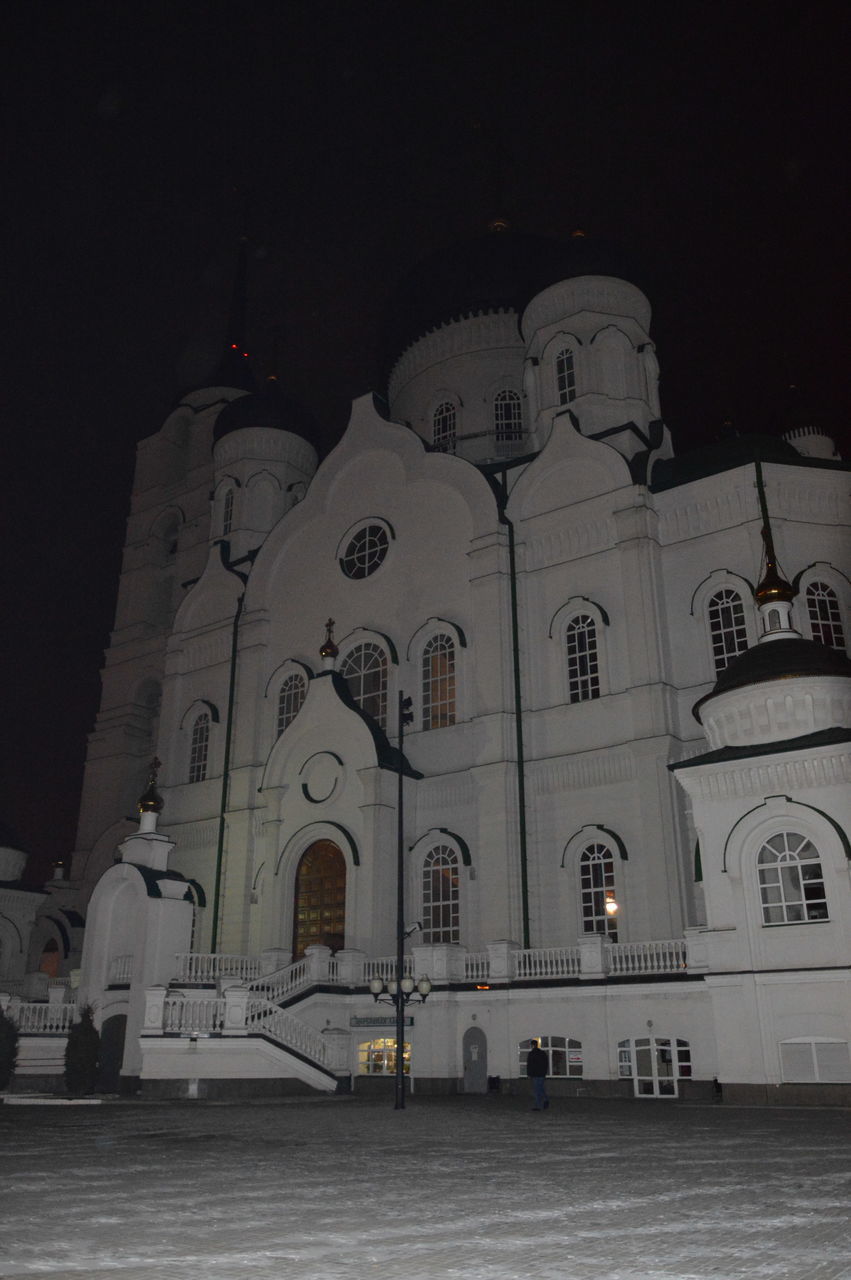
[478,1188]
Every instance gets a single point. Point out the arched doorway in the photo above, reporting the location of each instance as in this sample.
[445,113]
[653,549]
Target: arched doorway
[112,1035]
[320,898]
[474,1052]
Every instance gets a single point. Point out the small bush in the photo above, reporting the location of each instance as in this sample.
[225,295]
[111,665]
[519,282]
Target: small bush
[82,1054]
[8,1049]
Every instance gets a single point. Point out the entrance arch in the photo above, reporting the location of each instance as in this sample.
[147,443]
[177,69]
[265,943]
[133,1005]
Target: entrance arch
[474,1052]
[319,916]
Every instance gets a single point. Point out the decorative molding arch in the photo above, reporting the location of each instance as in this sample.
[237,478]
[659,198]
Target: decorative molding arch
[323,830]
[428,629]
[718,578]
[576,604]
[586,835]
[161,523]
[261,477]
[223,483]
[433,836]
[288,666]
[771,811]
[362,635]
[196,708]
[612,329]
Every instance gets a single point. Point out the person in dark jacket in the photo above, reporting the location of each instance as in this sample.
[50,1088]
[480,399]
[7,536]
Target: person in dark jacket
[537,1064]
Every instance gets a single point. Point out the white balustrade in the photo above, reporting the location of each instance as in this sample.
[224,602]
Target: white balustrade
[189,1015]
[384,967]
[290,1032]
[198,967]
[42,1019]
[477,967]
[547,962]
[647,957]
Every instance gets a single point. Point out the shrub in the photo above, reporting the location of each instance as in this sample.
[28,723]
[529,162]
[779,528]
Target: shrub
[8,1049]
[82,1053]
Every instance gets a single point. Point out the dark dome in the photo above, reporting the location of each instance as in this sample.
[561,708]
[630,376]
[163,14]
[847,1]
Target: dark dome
[268,407]
[778,660]
[501,269]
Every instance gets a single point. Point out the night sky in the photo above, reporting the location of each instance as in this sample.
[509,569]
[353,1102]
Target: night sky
[348,140]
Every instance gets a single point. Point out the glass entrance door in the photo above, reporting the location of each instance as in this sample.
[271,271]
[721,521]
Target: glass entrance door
[655,1064]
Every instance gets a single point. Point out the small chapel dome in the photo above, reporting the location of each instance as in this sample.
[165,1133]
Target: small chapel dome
[270,408]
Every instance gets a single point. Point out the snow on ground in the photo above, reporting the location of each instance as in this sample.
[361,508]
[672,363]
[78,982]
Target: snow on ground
[476,1188]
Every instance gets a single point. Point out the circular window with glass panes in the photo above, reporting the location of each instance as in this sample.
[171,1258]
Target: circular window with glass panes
[365,551]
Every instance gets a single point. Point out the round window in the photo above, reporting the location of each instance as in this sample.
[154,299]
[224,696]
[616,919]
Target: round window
[365,551]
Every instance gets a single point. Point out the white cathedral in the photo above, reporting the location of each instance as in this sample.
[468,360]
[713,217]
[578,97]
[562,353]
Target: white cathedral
[626,814]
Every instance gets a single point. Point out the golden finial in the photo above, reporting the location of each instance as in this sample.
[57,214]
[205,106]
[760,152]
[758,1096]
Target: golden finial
[151,801]
[329,649]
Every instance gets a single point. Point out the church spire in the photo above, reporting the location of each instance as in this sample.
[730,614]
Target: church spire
[234,369]
[774,595]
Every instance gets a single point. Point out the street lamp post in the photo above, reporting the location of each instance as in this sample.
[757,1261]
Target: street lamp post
[401,989]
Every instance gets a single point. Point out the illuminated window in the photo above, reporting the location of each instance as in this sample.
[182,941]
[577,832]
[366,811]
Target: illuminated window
[438,682]
[441,896]
[227,512]
[444,426]
[378,1058]
[365,670]
[199,748]
[727,628]
[290,698]
[507,421]
[596,879]
[583,668]
[791,886]
[824,615]
[365,551]
[565,376]
[49,962]
[565,1055]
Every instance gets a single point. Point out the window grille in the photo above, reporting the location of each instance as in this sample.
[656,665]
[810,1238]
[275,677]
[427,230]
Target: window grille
[438,672]
[791,885]
[565,1054]
[199,748]
[365,670]
[441,896]
[583,668]
[565,376]
[444,423]
[596,878]
[824,615]
[290,698]
[507,421]
[227,513]
[727,628]
[365,552]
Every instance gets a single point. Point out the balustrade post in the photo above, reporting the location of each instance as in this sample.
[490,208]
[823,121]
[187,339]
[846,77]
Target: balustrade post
[236,1010]
[350,965]
[501,959]
[318,962]
[337,1049]
[697,953]
[154,1011]
[592,957]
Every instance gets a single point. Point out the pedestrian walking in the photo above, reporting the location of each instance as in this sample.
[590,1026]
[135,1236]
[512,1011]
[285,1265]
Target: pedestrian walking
[537,1064]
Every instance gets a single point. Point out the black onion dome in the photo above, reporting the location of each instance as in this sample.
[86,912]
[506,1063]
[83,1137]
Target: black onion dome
[503,269]
[778,660]
[269,407]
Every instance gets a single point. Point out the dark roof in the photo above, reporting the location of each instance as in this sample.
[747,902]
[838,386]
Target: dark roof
[268,407]
[497,270]
[778,660]
[807,742]
[721,455]
[10,839]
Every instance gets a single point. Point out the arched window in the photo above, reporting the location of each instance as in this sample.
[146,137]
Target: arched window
[227,513]
[441,896]
[596,886]
[654,1064]
[199,748]
[443,422]
[290,698]
[365,670]
[583,668]
[824,615]
[507,421]
[727,628]
[791,884]
[565,376]
[565,1055]
[438,682]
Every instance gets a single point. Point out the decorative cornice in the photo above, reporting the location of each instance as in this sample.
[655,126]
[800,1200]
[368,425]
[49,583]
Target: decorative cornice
[460,337]
[568,544]
[833,768]
[580,773]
